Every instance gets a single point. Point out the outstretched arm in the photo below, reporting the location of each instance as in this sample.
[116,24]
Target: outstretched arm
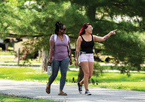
[100,39]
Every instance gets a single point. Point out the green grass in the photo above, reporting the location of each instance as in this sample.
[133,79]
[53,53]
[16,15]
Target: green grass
[5,98]
[121,81]
[20,65]
[30,74]
[12,60]
[108,80]
[73,66]
[22,61]
[7,53]
[2,59]
[136,86]
[119,68]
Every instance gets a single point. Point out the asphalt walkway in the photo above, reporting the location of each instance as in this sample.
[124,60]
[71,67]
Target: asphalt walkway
[37,90]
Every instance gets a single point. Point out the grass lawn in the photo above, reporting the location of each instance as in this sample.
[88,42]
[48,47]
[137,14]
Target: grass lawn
[116,80]
[5,98]
[12,60]
[7,53]
[20,65]
[108,80]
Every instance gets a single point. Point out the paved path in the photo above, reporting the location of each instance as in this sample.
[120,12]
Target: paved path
[37,90]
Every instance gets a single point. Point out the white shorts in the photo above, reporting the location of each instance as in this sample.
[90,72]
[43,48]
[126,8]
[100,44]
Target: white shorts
[86,58]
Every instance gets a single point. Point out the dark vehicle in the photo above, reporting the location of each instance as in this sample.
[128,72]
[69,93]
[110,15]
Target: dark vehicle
[4,43]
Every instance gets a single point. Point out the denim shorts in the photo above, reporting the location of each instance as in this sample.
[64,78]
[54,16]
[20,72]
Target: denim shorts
[86,58]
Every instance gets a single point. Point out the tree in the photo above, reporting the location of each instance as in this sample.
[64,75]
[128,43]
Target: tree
[40,17]
[34,19]
[126,46]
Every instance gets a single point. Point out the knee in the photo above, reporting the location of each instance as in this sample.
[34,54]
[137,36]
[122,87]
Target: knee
[54,74]
[63,74]
[90,76]
[86,74]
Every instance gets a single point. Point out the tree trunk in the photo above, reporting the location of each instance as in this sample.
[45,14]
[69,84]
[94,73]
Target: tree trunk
[39,55]
[91,12]
[44,60]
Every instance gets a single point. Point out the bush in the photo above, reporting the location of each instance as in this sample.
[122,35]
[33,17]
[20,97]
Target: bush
[97,69]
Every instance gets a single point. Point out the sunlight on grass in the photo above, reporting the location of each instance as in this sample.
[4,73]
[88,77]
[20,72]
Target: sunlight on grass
[13,60]
[137,86]
[108,80]
[7,53]
[5,98]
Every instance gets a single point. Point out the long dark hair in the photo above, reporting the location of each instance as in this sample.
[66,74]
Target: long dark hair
[85,26]
[58,26]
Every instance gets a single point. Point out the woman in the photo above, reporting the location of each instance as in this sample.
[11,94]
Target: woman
[86,41]
[59,56]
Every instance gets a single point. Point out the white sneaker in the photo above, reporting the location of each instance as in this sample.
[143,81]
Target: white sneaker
[87,92]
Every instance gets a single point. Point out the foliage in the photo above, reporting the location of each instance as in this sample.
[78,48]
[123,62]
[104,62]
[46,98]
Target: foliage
[38,18]
[41,21]
[5,14]
[128,44]
[97,69]
[130,52]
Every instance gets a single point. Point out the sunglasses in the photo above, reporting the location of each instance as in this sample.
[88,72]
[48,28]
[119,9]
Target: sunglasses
[64,29]
[90,28]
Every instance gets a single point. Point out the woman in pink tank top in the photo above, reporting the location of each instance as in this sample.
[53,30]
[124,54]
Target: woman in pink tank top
[59,56]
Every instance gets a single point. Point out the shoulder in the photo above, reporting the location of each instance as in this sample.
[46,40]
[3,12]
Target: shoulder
[66,36]
[79,38]
[94,36]
[52,37]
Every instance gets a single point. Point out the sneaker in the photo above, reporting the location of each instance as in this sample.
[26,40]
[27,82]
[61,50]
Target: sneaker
[80,88]
[87,92]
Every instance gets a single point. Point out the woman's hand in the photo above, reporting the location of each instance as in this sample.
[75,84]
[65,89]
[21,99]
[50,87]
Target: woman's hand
[70,62]
[50,60]
[113,32]
[76,63]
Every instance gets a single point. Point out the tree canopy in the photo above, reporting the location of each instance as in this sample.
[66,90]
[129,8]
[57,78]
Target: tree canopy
[36,17]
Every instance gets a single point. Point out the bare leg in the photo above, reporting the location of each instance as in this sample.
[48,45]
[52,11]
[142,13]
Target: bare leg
[85,68]
[91,65]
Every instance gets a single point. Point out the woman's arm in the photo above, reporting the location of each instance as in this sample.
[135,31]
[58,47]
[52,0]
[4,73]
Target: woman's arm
[100,39]
[78,44]
[70,57]
[51,51]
